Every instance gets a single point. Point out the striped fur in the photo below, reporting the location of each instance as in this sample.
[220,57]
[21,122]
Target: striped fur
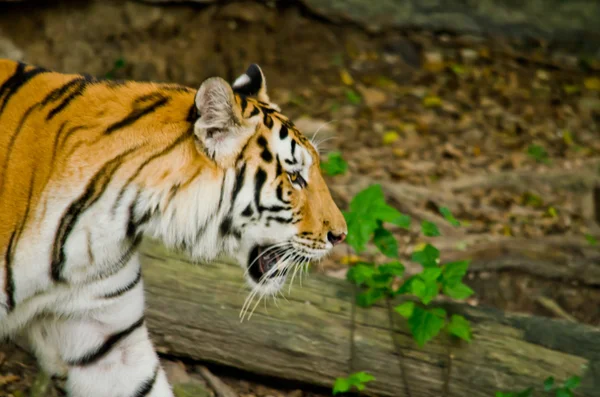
[89,166]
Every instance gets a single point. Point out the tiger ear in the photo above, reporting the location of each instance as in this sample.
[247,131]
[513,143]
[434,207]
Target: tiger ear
[252,83]
[219,118]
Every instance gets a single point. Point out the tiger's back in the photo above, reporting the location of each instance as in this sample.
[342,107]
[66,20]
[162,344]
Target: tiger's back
[56,132]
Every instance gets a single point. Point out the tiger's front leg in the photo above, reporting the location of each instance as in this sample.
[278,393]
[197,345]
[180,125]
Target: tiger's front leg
[105,350]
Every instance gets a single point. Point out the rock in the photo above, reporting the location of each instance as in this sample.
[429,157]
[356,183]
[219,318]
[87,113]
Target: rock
[434,61]
[247,12]
[190,390]
[176,372]
[309,127]
[468,55]
[373,97]
[9,50]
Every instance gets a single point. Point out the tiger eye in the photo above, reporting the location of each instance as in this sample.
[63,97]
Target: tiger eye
[293,177]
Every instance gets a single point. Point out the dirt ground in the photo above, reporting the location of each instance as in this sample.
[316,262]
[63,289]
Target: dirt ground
[504,133]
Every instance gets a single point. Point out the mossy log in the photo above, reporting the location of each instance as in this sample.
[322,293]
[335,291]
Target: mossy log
[193,312]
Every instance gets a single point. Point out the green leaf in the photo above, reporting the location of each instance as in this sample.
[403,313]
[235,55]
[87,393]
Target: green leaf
[564,392]
[430,229]
[449,217]
[549,384]
[341,385]
[591,239]
[458,291]
[572,382]
[438,311]
[366,198]
[391,215]
[453,272]
[386,242]
[460,327]
[431,291]
[417,288]
[538,153]
[525,393]
[335,164]
[353,97]
[359,231]
[431,273]
[369,297]
[427,257]
[393,268]
[119,63]
[501,394]
[362,377]
[360,273]
[424,325]
[405,309]
[367,210]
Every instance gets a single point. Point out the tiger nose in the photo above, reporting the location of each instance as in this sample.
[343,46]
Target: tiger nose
[336,238]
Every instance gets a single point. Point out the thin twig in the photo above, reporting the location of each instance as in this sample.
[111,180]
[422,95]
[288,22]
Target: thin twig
[220,388]
[352,323]
[398,349]
[446,389]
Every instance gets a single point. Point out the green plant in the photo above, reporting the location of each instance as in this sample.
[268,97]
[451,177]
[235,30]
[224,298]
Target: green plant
[538,153]
[334,164]
[566,390]
[357,380]
[366,220]
[119,64]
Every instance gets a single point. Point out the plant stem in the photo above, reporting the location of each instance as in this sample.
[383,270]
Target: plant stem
[446,389]
[352,324]
[398,349]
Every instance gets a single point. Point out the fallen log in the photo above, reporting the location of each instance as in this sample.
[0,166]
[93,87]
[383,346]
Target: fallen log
[193,312]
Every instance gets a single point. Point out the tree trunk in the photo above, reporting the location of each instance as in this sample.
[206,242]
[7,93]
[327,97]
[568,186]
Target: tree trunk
[193,311]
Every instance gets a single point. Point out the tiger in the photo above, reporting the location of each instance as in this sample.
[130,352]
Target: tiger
[91,166]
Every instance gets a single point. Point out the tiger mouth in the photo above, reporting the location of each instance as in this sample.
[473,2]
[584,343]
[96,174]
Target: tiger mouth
[262,260]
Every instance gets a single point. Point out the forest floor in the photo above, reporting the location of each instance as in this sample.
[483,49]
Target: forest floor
[505,134]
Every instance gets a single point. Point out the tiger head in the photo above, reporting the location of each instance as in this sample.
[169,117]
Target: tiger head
[281,214]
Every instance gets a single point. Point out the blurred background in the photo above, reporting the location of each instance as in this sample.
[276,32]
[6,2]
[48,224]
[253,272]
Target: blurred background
[488,108]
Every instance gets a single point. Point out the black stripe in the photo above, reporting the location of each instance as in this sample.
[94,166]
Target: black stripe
[137,172]
[13,140]
[267,120]
[59,143]
[254,112]
[192,115]
[279,193]
[243,103]
[93,192]
[279,219]
[225,227]
[221,193]
[146,387]
[279,169]
[12,246]
[259,181]
[9,282]
[77,91]
[15,82]
[57,93]
[283,132]
[248,211]
[97,354]
[239,180]
[126,288]
[136,114]
[266,154]
[293,148]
